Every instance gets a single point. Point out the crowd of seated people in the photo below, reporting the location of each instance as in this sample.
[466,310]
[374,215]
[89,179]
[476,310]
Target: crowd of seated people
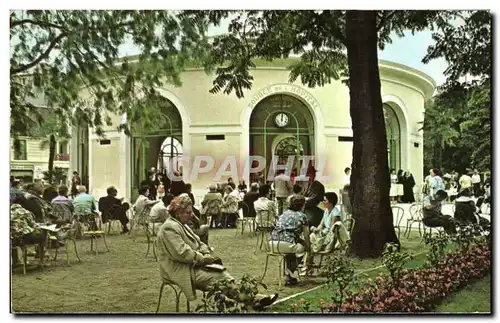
[298,227]
[467,211]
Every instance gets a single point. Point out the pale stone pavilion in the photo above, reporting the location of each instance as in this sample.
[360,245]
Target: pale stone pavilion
[274,118]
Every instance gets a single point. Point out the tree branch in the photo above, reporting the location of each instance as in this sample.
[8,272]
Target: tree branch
[384,19]
[339,35]
[107,69]
[44,55]
[16,23]
[335,30]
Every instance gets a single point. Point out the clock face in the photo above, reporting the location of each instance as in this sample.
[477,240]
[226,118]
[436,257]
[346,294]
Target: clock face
[281,119]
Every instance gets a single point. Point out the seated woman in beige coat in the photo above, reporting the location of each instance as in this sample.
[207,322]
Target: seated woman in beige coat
[211,206]
[230,207]
[183,257]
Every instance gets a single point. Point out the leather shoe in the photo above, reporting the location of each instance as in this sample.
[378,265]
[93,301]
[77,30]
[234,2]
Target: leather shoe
[290,281]
[264,302]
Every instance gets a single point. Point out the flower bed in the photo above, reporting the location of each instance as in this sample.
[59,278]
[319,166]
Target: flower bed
[417,290]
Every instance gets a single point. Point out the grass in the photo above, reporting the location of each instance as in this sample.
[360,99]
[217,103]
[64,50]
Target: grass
[124,281]
[473,298]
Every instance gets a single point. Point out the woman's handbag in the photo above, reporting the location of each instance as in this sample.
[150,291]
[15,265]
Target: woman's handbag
[216,266]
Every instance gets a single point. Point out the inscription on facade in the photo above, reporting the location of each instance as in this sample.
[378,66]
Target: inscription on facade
[284,88]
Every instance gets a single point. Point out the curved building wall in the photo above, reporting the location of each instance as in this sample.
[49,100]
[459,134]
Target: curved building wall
[202,113]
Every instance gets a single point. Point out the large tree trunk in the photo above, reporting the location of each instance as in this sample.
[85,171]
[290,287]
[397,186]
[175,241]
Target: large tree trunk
[369,192]
[52,154]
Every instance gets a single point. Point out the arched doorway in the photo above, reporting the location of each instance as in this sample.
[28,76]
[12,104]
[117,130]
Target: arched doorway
[155,144]
[393,131]
[280,125]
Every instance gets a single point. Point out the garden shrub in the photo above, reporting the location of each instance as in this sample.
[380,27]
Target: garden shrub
[468,234]
[230,296]
[395,261]
[339,271]
[419,290]
[437,249]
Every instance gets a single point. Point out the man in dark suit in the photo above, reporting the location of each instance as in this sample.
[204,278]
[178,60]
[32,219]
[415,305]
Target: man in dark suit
[249,198]
[112,208]
[152,182]
[314,195]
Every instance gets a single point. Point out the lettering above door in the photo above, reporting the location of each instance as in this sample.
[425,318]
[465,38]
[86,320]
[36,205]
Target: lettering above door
[284,88]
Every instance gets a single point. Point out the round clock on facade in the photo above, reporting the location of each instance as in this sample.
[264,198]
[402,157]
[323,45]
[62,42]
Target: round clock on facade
[281,119]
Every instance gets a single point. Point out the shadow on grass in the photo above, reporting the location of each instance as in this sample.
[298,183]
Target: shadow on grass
[125,281]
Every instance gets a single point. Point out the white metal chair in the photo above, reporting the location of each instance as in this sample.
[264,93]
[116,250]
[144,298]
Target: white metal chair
[275,252]
[397,214]
[244,220]
[416,216]
[141,220]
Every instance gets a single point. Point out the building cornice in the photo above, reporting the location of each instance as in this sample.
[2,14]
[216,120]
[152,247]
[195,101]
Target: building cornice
[419,79]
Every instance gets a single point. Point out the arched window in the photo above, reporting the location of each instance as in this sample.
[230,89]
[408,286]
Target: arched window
[170,148]
[393,131]
[288,147]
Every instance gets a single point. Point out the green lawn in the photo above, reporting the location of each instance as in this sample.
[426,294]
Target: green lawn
[124,281]
[473,298]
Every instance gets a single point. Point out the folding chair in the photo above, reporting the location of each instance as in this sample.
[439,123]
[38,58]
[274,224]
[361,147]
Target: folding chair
[89,220]
[244,219]
[275,252]
[416,216]
[112,218]
[213,210]
[264,225]
[67,222]
[178,292]
[39,240]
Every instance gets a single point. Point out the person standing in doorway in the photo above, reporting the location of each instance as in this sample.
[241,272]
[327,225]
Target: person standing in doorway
[283,187]
[153,182]
[393,192]
[408,184]
[242,187]
[75,182]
